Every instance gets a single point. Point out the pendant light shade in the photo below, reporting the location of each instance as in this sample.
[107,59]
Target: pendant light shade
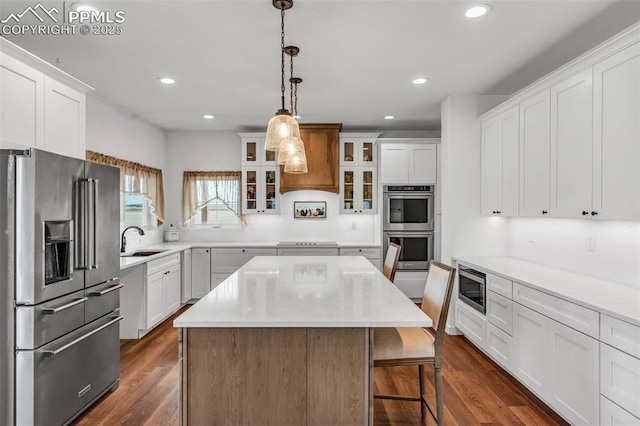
[288,147]
[296,163]
[280,127]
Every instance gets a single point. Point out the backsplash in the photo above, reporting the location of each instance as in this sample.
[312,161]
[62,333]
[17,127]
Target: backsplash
[605,249]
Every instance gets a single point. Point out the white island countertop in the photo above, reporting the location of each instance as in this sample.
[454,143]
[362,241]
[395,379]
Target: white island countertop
[305,291]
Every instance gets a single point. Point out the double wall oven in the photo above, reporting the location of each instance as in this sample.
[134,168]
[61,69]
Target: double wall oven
[408,221]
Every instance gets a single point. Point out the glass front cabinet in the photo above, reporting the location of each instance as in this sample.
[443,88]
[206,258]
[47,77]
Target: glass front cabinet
[357,190]
[253,152]
[358,149]
[260,190]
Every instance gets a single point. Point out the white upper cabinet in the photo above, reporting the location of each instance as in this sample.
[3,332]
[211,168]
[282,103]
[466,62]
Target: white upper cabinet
[500,164]
[534,155]
[260,190]
[572,146]
[616,138]
[358,150]
[22,105]
[357,190]
[64,124]
[253,152]
[408,163]
[41,106]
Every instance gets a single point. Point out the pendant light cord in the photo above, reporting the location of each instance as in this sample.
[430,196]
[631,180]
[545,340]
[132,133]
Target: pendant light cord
[282,51]
[291,85]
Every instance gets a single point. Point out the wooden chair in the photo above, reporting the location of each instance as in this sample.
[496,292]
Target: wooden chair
[391,261]
[416,345]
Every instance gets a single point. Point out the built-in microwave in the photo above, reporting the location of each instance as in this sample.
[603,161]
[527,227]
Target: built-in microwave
[472,287]
[408,208]
[416,249]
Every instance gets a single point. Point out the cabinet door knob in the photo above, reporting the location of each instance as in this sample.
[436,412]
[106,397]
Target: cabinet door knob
[544,212]
[497,211]
[584,213]
[594,213]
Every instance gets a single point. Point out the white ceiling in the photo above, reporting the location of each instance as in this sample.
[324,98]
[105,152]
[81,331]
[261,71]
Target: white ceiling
[357,58]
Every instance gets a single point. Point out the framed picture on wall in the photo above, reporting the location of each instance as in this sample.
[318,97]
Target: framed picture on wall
[310,209]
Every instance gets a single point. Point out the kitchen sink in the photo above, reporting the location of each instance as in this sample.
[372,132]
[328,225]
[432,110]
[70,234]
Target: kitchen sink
[142,253]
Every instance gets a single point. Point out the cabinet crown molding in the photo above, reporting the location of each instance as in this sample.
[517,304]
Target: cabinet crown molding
[17,52]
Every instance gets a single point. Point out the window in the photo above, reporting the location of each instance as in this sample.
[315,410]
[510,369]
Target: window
[141,190]
[211,198]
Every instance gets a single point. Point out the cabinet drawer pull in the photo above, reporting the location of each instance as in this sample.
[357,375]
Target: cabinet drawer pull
[584,213]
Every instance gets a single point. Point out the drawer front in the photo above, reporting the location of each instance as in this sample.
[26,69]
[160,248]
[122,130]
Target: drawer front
[102,299]
[500,312]
[49,320]
[165,262]
[620,334]
[620,378]
[230,260]
[567,313]
[217,279]
[613,415]
[370,253]
[500,285]
[499,346]
[471,323]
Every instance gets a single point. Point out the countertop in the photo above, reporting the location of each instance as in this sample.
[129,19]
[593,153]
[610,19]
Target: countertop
[170,248]
[618,300]
[305,291]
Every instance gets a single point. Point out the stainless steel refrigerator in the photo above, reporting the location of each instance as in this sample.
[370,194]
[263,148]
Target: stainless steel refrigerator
[59,286]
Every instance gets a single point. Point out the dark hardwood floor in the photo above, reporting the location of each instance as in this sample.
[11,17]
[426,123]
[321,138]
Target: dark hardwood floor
[476,390]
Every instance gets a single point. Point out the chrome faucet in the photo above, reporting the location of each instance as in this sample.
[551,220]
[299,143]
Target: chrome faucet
[124,239]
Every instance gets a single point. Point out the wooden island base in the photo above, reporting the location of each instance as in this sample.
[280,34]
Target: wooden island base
[275,376]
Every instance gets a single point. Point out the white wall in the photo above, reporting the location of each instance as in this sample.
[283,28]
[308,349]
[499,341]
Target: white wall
[605,249]
[219,150]
[464,230]
[115,132]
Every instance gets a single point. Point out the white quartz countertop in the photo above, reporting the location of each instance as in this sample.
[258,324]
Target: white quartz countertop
[170,248]
[305,291]
[611,298]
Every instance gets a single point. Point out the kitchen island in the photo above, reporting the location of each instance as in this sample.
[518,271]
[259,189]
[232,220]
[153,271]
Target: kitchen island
[287,340]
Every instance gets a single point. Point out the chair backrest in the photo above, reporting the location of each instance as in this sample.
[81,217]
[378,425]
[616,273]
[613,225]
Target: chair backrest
[391,261]
[437,294]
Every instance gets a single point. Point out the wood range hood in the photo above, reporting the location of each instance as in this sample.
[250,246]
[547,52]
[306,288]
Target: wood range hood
[322,147]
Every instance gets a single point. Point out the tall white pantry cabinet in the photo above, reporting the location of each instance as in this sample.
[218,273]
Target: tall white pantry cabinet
[42,107]
[577,139]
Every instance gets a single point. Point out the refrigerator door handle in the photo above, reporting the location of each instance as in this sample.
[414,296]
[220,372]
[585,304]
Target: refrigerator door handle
[52,311]
[55,352]
[81,223]
[92,234]
[106,291]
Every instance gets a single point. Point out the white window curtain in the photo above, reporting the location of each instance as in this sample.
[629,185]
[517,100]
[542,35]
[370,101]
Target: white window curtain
[200,188]
[136,178]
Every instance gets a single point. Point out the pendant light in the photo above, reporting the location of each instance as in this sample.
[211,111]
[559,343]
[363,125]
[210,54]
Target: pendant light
[296,158]
[292,144]
[283,124]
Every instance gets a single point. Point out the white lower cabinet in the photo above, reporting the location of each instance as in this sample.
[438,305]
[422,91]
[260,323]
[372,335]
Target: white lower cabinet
[186,276]
[620,378]
[200,272]
[500,346]
[573,363]
[613,415]
[155,298]
[163,293]
[371,253]
[500,311]
[531,345]
[472,323]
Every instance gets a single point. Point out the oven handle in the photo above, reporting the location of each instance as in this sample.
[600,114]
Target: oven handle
[472,277]
[55,352]
[53,311]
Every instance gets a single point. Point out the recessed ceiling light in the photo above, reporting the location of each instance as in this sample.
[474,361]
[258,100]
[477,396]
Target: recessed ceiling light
[79,7]
[208,116]
[297,117]
[477,11]
[420,80]
[389,117]
[166,80]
